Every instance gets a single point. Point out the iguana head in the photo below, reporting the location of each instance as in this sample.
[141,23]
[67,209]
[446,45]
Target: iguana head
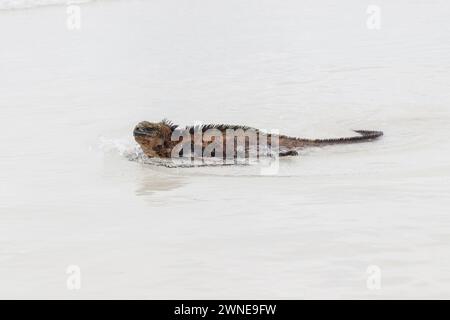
[153,137]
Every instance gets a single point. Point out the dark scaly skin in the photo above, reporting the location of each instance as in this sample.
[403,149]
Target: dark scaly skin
[155,138]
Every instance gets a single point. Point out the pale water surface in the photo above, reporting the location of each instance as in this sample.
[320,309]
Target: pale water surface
[70,99]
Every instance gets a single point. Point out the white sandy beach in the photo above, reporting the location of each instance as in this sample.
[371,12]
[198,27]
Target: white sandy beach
[69,100]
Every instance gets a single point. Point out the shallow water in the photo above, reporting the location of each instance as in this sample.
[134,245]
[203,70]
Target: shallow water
[70,196]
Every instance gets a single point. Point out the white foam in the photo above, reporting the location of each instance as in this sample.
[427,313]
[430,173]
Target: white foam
[133,152]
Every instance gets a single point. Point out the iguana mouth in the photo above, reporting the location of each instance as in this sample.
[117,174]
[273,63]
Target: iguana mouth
[137,132]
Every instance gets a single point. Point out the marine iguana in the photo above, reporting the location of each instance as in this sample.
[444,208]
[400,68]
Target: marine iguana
[155,138]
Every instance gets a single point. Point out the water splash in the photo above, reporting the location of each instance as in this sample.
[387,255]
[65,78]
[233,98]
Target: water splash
[133,152]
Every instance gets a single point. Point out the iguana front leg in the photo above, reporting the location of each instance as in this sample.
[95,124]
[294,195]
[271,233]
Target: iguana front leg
[288,153]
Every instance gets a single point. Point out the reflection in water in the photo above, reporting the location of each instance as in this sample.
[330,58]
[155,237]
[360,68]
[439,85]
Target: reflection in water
[152,182]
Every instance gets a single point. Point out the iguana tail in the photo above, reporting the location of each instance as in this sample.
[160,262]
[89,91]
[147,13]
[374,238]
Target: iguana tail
[365,135]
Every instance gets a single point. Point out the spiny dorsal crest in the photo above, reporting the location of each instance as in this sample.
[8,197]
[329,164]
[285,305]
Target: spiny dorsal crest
[205,127]
[169,124]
